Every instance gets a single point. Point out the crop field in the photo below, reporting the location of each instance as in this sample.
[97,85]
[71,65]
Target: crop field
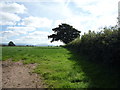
[59,67]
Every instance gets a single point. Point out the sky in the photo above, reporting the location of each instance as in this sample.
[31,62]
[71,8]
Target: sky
[31,21]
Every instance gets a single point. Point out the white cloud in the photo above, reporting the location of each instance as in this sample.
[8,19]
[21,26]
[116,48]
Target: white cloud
[39,33]
[12,8]
[40,36]
[71,21]
[8,18]
[36,37]
[100,14]
[28,38]
[15,31]
[24,29]
[56,43]
[33,0]
[106,7]
[9,13]
[99,8]
[8,34]
[36,22]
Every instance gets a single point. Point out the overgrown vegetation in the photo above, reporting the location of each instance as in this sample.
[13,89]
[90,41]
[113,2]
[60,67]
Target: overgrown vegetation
[62,69]
[101,47]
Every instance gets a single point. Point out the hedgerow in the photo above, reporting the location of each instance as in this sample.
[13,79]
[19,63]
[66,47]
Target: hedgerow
[101,47]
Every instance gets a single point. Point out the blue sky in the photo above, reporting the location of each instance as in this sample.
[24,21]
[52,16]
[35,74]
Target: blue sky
[31,21]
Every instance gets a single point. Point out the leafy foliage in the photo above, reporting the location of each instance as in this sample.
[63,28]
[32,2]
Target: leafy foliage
[102,47]
[64,33]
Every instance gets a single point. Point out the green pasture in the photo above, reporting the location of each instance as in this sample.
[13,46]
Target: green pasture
[61,68]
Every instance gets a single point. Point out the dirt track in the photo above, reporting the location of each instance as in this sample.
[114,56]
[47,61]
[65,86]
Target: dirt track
[17,75]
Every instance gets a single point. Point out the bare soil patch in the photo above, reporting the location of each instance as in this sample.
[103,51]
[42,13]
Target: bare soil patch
[18,75]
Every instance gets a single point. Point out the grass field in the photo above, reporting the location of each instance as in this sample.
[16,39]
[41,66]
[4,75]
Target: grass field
[62,69]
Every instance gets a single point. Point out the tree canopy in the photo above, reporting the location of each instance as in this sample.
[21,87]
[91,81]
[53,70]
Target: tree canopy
[64,33]
[11,43]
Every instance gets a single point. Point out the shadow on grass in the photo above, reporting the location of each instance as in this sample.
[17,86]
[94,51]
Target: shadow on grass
[99,76]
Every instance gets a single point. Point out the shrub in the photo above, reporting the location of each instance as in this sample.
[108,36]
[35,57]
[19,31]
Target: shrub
[101,47]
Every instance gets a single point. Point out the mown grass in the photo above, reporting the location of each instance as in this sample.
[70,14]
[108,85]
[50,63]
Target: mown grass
[62,69]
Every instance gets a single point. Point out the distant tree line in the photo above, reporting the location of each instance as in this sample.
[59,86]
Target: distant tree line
[11,43]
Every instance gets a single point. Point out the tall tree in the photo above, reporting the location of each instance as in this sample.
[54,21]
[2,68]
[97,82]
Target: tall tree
[64,33]
[11,43]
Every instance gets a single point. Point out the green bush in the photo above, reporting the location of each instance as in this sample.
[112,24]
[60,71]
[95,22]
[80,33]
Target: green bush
[102,47]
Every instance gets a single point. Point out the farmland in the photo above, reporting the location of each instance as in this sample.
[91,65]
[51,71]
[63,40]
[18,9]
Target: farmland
[59,67]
